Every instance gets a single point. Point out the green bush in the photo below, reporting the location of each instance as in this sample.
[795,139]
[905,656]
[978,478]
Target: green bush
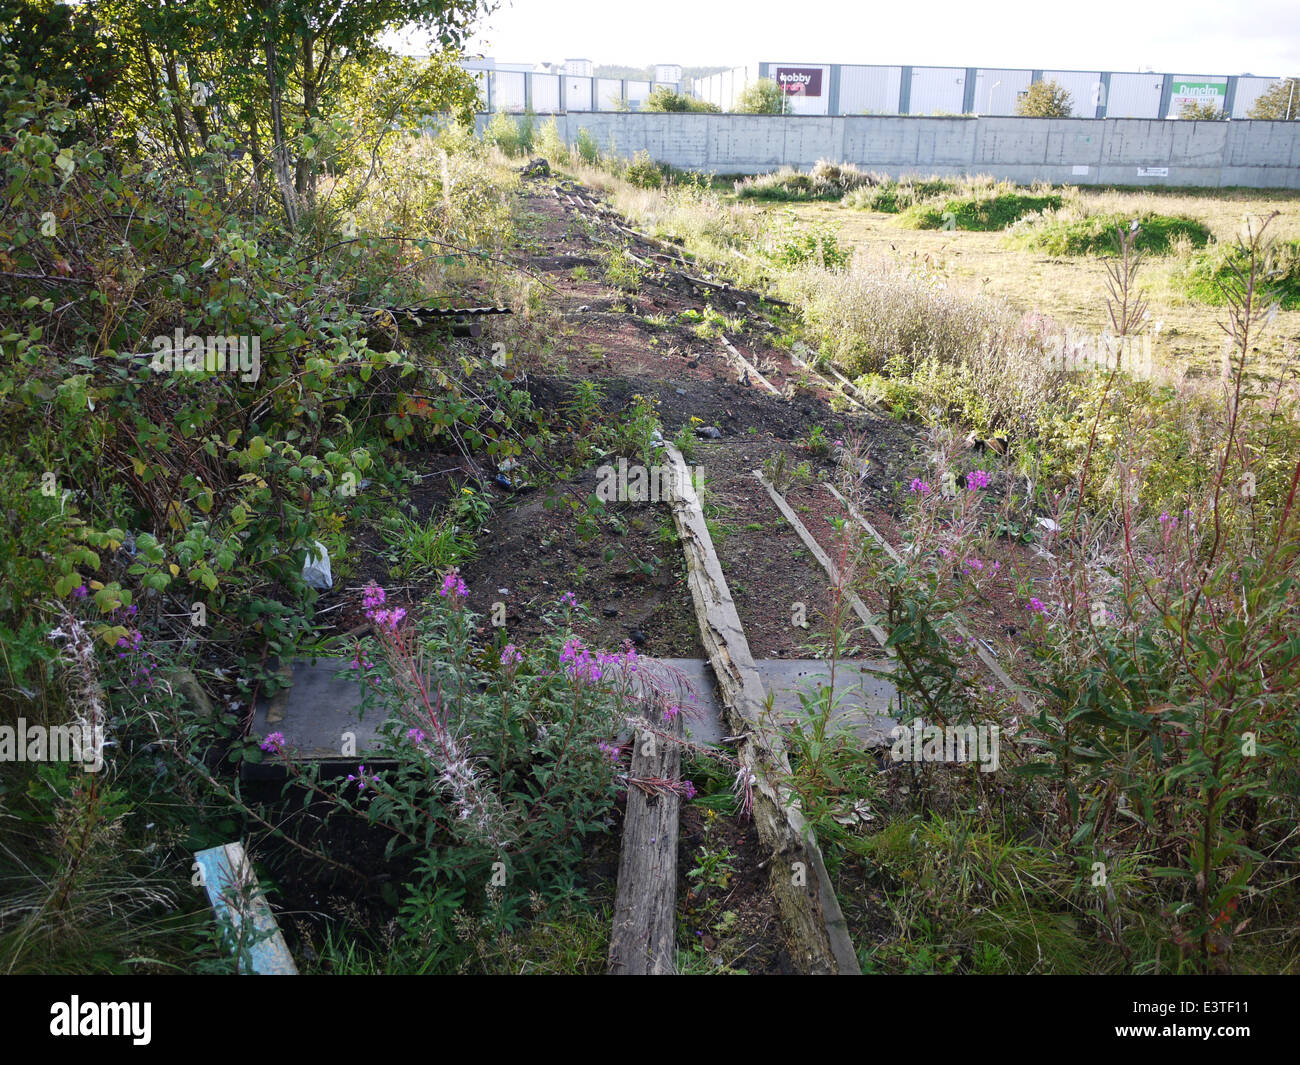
[665,99]
[1096,234]
[764,97]
[644,172]
[512,135]
[826,181]
[891,197]
[980,213]
[1203,279]
[587,148]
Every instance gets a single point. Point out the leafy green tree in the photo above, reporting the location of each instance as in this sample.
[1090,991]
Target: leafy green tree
[1200,112]
[270,77]
[58,44]
[764,97]
[1281,103]
[1045,99]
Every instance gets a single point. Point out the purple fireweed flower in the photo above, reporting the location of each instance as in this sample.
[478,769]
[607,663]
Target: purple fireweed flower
[80,592]
[387,620]
[511,656]
[273,743]
[671,712]
[373,596]
[609,750]
[977,479]
[415,735]
[568,599]
[688,790]
[453,586]
[361,779]
[1036,605]
[920,487]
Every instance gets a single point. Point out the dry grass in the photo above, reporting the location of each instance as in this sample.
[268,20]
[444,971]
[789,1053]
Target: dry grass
[1072,290]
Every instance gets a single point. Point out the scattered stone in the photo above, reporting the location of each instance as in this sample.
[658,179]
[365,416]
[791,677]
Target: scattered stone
[583,309]
[536,168]
[636,636]
[610,612]
[708,432]
[185,684]
[680,391]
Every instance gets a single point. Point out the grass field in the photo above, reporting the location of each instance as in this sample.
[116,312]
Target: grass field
[1071,289]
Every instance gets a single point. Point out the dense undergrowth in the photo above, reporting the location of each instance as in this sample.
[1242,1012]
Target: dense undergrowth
[161,512]
[1143,820]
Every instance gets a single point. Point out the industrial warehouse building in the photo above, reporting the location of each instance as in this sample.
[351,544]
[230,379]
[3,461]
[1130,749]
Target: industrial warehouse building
[847,89]
[843,89]
[559,87]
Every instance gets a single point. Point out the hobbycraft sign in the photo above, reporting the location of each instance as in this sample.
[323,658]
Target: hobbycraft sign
[800,81]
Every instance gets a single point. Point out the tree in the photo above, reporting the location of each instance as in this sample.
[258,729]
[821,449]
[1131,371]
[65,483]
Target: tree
[1200,112]
[269,75]
[1281,103]
[764,97]
[1045,99]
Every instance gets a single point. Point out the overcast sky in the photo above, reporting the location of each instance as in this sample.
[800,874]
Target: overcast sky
[1173,36]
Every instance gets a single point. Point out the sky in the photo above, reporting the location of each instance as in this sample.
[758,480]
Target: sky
[1261,37]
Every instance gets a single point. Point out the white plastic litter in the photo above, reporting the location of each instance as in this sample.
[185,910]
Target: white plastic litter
[316,568]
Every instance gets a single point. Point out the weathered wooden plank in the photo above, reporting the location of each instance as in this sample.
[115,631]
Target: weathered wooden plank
[818,933]
[827,563]
[985,657]
[232,887]
[644,937]
[750,368]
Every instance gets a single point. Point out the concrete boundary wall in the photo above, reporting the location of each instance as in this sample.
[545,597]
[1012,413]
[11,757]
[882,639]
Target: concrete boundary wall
[1082,151]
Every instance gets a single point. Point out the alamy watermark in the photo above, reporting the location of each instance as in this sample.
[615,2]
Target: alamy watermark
[182,353]
[919,742]
[53,743]
[635,483]
[1074,352]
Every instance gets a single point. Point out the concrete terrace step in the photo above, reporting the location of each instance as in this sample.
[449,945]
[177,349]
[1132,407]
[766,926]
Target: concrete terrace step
[324,702]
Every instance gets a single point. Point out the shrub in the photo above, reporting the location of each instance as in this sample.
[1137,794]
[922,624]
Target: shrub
[764,97]
[1205,276]
[644,172]
[816,245]
[826,181]
[550,144]
[891,197]
[981,213]
[512,135]
[587,148]
[662,98]
[1065,233]
[1045,99]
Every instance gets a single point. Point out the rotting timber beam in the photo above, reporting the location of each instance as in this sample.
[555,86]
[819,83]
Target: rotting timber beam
[644,937]
[814,922]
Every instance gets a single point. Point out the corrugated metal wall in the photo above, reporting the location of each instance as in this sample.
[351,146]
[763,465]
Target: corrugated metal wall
[941,89]
[1134,95]
[577,94]
[1084,87]
[1248,91]
[869,90]
[997,91]
[637,91]
[609,91]
[546,92]
[508,93]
